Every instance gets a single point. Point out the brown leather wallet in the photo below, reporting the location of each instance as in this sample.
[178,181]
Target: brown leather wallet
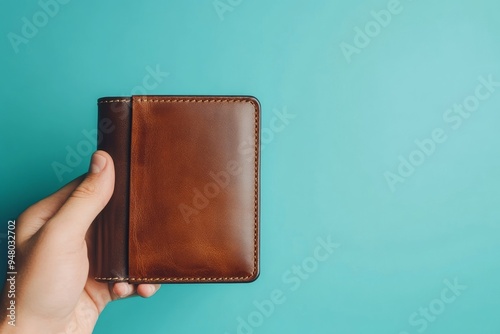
[185,207]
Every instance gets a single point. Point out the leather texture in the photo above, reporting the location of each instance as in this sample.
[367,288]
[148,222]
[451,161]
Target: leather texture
[186,200]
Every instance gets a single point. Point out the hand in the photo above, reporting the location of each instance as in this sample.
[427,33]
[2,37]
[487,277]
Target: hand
[54,292]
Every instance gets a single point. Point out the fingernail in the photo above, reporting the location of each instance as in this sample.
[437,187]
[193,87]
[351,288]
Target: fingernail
[98,163]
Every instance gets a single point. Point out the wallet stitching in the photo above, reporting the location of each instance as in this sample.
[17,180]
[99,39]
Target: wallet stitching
[113,101]
[256,195]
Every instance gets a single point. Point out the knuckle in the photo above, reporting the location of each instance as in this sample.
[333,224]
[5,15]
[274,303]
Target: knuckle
[84,190]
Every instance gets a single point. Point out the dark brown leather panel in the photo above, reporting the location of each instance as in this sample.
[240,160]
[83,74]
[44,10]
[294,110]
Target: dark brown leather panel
[112,223]
[194,189]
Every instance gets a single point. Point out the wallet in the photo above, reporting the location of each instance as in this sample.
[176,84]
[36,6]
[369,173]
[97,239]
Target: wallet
[185,206]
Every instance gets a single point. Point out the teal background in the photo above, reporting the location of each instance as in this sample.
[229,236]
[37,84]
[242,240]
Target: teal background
[322,174]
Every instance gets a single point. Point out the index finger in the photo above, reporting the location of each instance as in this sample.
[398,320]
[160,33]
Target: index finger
[34,217]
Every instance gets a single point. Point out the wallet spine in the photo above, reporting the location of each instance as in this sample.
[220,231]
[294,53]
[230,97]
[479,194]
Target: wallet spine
[114,129]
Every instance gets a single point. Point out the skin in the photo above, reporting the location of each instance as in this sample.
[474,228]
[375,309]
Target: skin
[55,292]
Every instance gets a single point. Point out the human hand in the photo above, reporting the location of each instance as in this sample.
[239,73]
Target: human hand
[54,292]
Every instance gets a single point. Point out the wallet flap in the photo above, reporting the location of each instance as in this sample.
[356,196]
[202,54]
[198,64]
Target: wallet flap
[194,189]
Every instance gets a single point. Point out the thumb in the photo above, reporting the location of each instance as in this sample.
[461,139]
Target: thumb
[88,199]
